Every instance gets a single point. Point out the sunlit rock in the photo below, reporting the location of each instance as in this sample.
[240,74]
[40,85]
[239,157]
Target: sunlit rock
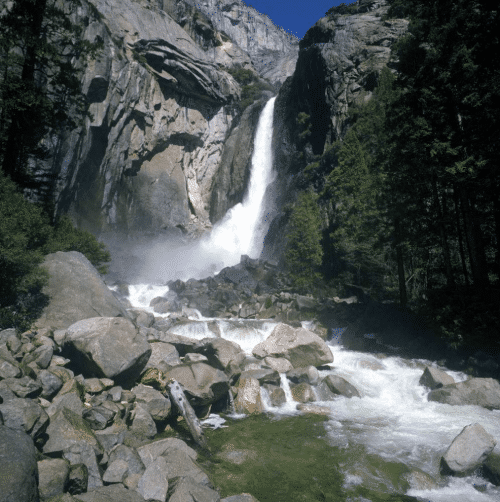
[248,399]
[434,378]
[477,391]
[467,451]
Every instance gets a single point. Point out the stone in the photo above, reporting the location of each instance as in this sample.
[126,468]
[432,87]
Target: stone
[303,393]
[314,409]
[434,378]
[300,346]
[111,493]
[242,497]
[195,358]
[180,463]
[158,406]
[99,417]
[76,292]
[51,384]
[41,356]
[78,479]
[67,428]
[150,452]
[116,472]
[84,453]
[263,375]
[26,415]
[53,477]
[201,383]
[110,347]
[309,375]
[341,386]
[186,489]
[491,469]
[93,385]
[222,354]
[153,484]
[277,395]
[278,364]
[143,425]
[163,356]
[130,456]
[24,387]
[70,401]
[476,391]
[467,451]
[9,368]
[248,399]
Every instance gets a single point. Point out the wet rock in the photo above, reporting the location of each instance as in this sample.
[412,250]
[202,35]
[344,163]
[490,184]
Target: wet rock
[309,375]
[341,386]
[476,391]
[263,375]
[419,480]
[26,415]
[467,451]
[163,356]
[18,466]
[314,409]
[276,394]
[153,484]
[186,489]
[222,354]
[109,347]
[279,364]
[76,292]
[202,384]
[300,346]
[491,469]
[248,399]
[434,378]
[303,393]
[53,477]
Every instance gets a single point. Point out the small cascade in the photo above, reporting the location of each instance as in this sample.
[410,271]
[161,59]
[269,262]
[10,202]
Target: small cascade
[290,405]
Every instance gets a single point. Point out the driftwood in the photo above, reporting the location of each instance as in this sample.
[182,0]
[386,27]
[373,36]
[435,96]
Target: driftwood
[179,399]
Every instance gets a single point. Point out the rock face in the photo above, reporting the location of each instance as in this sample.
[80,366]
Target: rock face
[467,451]
[477,391]
[76,292]
[300,346]
[163,104]
[434,378]
[18,467]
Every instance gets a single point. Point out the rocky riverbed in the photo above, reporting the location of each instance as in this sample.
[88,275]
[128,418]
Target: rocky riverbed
[85,415]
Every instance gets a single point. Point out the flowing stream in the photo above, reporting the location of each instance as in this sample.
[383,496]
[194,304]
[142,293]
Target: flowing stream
[392,419]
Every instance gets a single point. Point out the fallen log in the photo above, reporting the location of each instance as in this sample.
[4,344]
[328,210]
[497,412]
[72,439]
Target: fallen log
[179,399]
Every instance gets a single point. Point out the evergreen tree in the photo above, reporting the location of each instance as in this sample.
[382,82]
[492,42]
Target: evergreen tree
[304,253]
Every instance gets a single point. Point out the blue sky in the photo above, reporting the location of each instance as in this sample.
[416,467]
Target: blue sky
[295,16]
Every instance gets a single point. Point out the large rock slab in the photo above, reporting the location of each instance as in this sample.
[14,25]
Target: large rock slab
[26,415]
[300,346]
[202,384]
[18,467]
[153,484]
[110,347]
[476,391]
[53,477]
[467,451]
[186,489]
[76,292]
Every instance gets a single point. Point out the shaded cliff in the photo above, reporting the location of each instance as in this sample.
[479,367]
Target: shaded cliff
[339,62]
[162,106]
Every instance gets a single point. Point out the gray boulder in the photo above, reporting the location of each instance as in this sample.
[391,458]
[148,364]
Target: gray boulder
[248,399]
[153,484]
[18,467]
[341,386]
[222,354]
[24,387]
[150,452]
[467,451]
[84,453]
[142,423]
[309,375]
[476,391]
[202,384]
[53,477]
[163,356]
[242,497]
[111,493]
[50,382]
[180,463]
[303,393]
[110,347]
[434,378]
[300,346]
[76,292]
[158,406]
[26,415]
[263,375]
[186,489]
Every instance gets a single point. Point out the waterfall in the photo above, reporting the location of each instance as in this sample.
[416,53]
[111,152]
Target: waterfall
[242,230]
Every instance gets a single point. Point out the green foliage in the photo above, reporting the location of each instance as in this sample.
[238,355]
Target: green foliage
[303,253]
[66,237]
[251,86]
[343,9]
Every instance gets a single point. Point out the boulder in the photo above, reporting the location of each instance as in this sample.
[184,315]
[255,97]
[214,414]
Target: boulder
[163,356]
[277,395]
[78,479]
[150,452]
[491,469]
[263,375]
[158,406]
[142,423]
[278,364]
[24,387]
[222,354]
[186,489]
[309,375]
[300,346]
[50,382]
[180,463]
[314,409]
[476,391]
[248,399]
[340,386]
[111,493]
[303,393]
[467,451]
[202,384]
[153,485]
[109,347]
[84,453]
[76,292]
[53,477]
[130,457]
[18,467]
[242,497]
[26,415]
[98,417]
[434,378]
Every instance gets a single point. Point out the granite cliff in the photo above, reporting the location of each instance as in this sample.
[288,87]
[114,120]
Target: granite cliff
[339,62]
[163,103]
